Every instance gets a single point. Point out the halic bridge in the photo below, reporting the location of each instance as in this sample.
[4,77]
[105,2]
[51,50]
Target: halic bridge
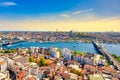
[99,47]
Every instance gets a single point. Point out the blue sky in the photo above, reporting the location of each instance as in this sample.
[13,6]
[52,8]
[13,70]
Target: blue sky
[43,7]
[47,10]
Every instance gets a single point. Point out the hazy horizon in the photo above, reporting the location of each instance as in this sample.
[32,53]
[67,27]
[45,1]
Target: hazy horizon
[58,31]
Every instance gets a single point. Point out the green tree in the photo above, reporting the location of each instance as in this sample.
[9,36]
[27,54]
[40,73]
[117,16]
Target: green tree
[81,34]
[60,52]
[31,59]
[2,51]
[75,52]
[9,51]
[27,51]
[102,57]
[82,53]
[116,56]
[107,64]
[42,61]
[48,52]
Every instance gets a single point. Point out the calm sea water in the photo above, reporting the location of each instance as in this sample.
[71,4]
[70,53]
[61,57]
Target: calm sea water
[113,48]
[79,46]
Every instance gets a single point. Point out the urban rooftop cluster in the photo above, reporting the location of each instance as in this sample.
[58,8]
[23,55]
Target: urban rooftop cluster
[107,37]
[36,63]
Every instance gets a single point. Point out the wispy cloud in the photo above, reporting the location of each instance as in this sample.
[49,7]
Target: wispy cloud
[82,11]
[8,3]
[75,13]
[65,15]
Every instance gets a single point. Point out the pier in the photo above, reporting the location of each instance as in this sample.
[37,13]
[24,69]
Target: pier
[101,50]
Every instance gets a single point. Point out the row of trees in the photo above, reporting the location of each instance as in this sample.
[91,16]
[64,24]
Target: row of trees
[41,62]
[7,51]
[81,34]
[116,56]
[78,53]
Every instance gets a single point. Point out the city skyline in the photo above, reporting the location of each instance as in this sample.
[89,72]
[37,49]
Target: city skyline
[64,15]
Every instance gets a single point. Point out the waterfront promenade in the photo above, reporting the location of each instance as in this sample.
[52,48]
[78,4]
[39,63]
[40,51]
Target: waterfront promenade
[108,56]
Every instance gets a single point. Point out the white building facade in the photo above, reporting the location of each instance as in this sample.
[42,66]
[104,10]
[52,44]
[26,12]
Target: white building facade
[66,54]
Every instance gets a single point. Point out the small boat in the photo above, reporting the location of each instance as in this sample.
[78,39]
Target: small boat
[77,42]
[74,46]
[9,45]
[41,42]
[21,44]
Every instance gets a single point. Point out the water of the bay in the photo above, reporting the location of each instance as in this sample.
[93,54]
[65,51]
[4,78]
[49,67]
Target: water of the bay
[79,46]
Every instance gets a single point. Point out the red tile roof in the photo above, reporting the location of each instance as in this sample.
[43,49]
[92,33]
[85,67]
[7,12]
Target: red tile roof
[21,75]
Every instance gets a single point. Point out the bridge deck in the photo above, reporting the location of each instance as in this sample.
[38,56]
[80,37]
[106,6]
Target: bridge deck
[104,52]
